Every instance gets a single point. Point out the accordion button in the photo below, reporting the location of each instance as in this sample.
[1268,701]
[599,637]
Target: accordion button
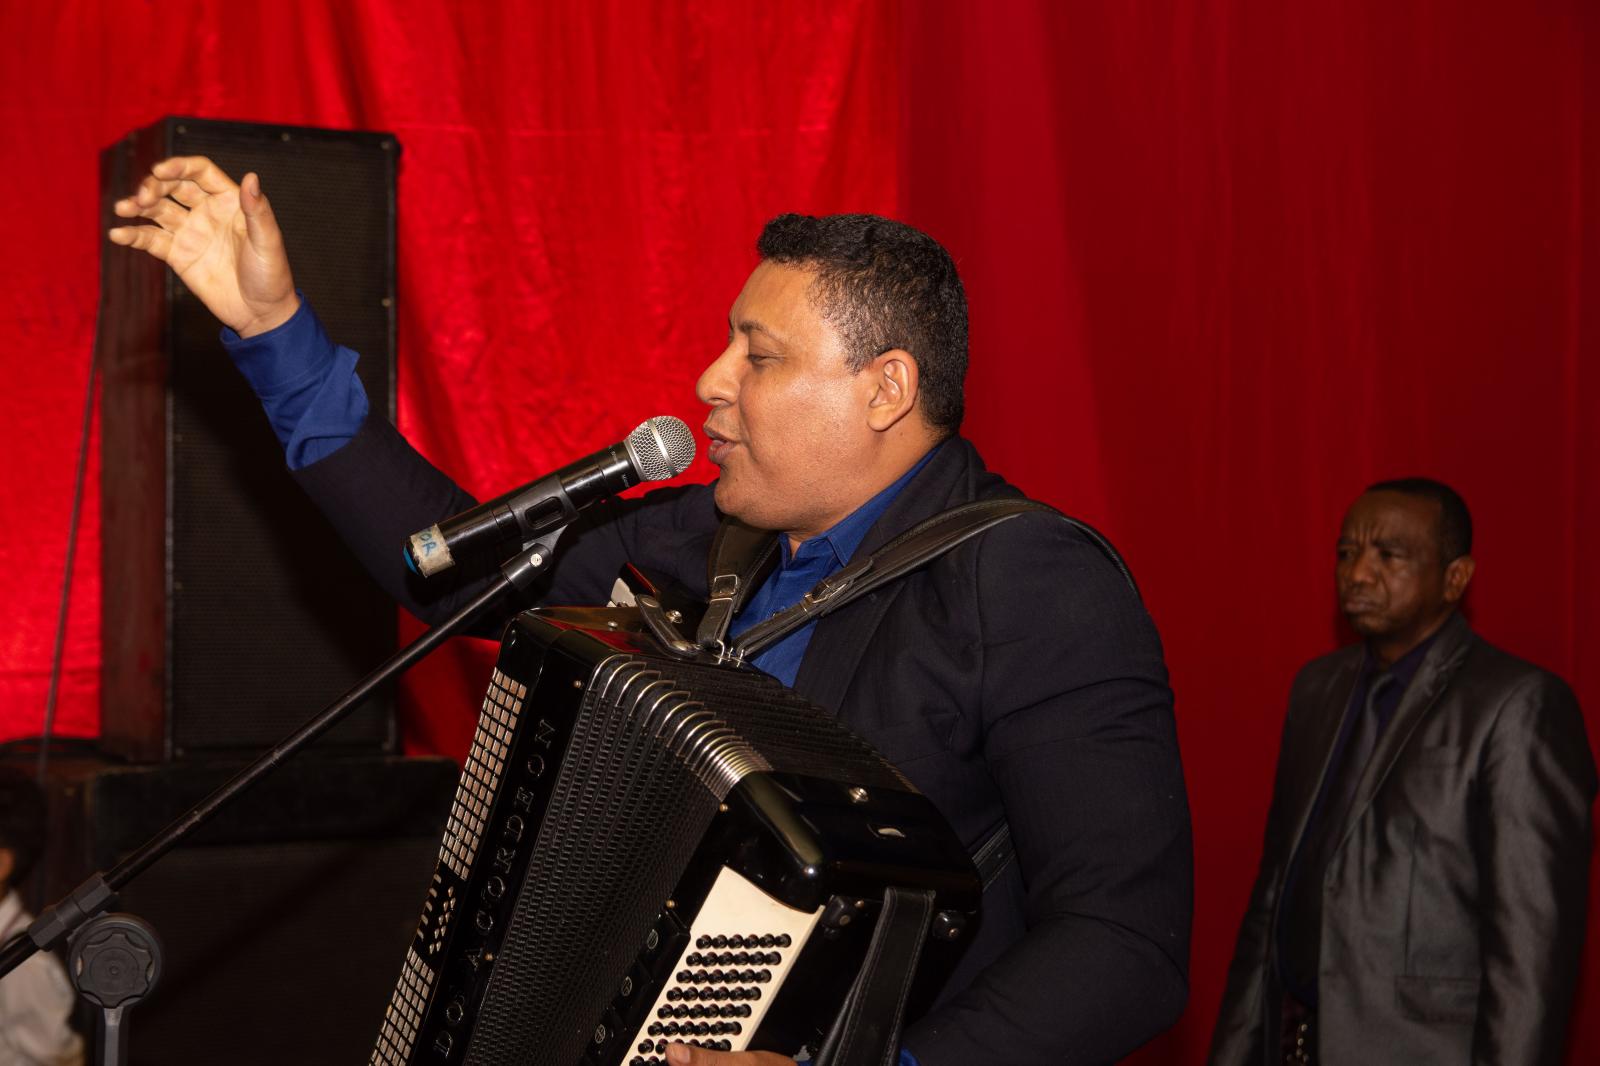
[645,1047]
[763,976]
[736,941]
[702,942]
[655,1029]
[768,940]
[719,942]
[685,976]
[783,940]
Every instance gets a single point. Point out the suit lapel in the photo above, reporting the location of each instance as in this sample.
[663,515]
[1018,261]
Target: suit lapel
[1308,762]
[841,638]
[1438,667]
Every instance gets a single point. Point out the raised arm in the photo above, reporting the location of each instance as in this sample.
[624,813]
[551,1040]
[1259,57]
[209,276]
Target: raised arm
[220,238]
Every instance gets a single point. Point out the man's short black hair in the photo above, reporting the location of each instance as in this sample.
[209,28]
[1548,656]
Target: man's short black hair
[1455,521]
[884,285]
[22,822]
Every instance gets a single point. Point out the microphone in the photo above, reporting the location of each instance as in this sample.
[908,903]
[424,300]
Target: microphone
[661,448]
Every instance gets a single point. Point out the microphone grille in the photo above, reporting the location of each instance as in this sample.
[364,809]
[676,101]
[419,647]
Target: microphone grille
[662,447]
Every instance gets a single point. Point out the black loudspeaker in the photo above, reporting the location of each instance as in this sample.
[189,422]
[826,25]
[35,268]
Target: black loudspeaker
[230,612]
[285,921]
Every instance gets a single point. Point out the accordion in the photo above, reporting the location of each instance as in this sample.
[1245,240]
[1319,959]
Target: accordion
[645,849]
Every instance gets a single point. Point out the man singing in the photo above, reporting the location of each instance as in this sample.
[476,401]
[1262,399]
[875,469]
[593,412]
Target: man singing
[1016,679]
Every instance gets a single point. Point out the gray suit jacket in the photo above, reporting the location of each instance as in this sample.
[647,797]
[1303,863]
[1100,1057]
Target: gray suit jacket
[1453,907]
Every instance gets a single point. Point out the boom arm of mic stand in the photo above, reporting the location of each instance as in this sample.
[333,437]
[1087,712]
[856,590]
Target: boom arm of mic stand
[61,919]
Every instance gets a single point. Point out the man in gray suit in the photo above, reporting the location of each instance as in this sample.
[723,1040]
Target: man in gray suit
[1421,895]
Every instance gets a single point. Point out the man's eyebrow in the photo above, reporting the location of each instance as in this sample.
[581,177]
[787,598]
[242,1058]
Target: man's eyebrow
[750,325]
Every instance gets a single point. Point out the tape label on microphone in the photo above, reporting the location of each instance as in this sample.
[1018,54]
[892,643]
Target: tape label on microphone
[430,552]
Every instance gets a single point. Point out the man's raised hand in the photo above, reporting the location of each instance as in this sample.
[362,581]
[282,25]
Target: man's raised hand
[220,238]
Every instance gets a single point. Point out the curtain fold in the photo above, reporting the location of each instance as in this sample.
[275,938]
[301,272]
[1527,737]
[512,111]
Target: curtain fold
[1227,263]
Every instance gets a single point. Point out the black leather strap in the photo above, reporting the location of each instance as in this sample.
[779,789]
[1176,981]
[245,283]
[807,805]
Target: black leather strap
[739,555]
[912,549]
[867,1030]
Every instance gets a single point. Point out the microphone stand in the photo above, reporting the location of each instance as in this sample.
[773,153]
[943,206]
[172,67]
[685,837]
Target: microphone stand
[59,920]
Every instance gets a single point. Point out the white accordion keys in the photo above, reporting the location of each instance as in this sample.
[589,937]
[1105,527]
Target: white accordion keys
[742,945]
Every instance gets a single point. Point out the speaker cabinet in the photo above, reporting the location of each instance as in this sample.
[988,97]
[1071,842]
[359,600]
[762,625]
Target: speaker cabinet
[230,610]
[284,922]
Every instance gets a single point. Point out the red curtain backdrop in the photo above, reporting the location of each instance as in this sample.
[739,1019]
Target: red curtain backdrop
[1228,262]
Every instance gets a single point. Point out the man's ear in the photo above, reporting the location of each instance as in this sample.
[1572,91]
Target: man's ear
[893,376]
[1457,576]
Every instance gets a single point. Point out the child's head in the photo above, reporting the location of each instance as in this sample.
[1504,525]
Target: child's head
[22,826]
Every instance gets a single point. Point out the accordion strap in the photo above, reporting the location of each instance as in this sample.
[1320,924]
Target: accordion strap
[914,548]
[740,555]
[867,1030]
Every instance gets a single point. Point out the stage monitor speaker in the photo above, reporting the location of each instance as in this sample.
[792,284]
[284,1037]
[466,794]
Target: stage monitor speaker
[230,611]
[284,922]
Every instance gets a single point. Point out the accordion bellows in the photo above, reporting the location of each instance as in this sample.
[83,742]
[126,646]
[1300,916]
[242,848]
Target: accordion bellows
[645,849]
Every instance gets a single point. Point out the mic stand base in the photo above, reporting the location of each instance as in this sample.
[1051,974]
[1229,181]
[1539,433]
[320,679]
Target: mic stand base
[115,963]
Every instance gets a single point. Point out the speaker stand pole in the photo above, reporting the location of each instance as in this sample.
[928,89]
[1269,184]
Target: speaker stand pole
[59,920]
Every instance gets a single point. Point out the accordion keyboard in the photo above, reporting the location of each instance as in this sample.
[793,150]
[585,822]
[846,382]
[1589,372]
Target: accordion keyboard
[741,947]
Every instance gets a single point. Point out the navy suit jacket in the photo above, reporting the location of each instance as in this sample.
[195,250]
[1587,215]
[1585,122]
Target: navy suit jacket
[1017,677]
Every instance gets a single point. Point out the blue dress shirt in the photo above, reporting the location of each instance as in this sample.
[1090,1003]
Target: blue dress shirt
[799,571]
[307,385]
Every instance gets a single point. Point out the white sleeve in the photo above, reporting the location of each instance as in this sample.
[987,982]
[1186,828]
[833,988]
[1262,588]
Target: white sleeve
[36,1002]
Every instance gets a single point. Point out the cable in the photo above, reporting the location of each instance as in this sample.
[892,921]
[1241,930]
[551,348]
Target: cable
[72,545]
